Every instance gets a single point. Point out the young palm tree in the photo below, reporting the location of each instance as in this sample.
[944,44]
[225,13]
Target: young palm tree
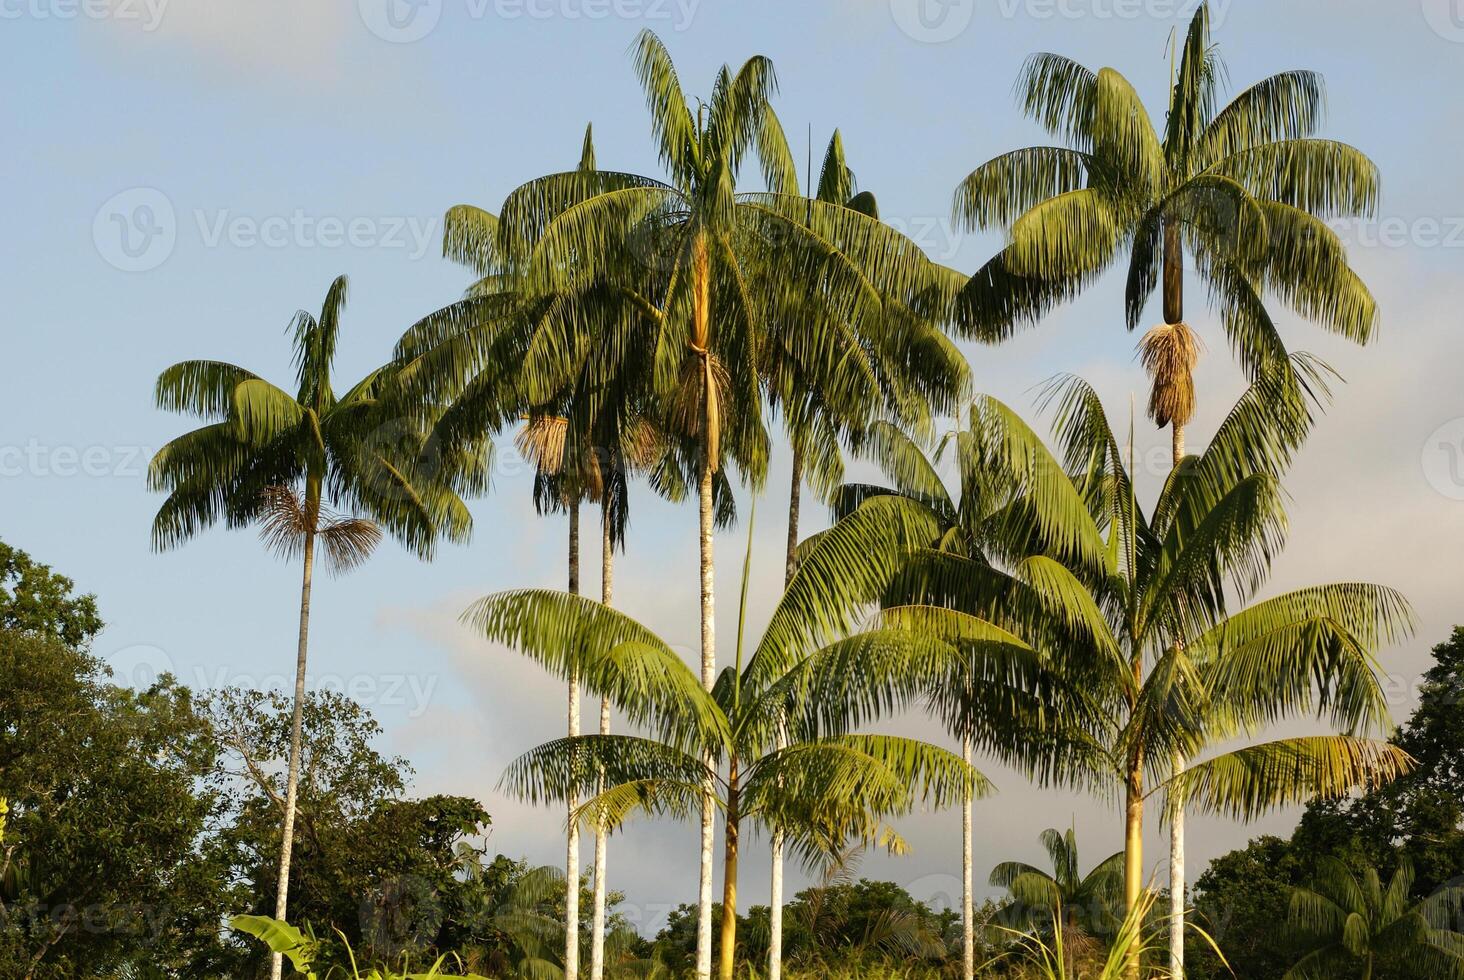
[1244,189]
[712,267]
[286,461]
[1360,927]
[965,526]
[1076,904]
[1154,659]
[825,783]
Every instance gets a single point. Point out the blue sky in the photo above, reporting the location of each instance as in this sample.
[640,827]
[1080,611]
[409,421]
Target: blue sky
[273,145]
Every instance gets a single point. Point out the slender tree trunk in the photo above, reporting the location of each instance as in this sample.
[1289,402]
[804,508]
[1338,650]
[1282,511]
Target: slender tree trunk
[701,334]
[728,942]
[292,780]
[571,856]
[1133,847]
[795,495]
[775,900]
[1174,313]
[709,678]
[597,917]
[968,897]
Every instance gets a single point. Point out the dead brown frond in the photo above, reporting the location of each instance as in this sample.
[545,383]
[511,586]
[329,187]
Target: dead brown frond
[696,407]
[345,542]
[541,442]
[1169,353]
[283,522]
[644,445]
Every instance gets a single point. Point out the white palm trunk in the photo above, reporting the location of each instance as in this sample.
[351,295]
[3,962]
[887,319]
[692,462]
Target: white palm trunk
[292,780]
[1176,825]
[968,925]
[709,678]
[571,855]
[1176,877]
[775,896]
[597,915]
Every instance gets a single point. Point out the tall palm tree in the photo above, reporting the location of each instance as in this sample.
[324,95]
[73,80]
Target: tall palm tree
[287,462]
[825,783]
[558,487]
[1073,902]
[585,427]
[1359,927]
[906,370]
[1136,612]
[712,267]
[1244,189]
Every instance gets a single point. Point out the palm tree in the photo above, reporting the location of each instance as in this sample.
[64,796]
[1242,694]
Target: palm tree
[287,462]
[711,267]
[825,784]
[1359,926]
[966,525]
[906,370]
[584,430]
[1245,190]
[1134,610]
[1075,903]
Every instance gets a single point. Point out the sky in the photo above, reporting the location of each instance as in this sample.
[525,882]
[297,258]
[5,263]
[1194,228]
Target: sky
[185,174]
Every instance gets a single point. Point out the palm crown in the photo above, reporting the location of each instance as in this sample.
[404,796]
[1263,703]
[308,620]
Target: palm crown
[349,451]
[1244,189]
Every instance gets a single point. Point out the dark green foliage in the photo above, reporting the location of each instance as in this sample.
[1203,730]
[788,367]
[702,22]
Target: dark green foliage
[35,600]
[850,924]
[1244,896]
[98,861]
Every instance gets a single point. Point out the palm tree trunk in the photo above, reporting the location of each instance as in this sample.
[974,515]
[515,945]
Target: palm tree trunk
[728,950]
[1133,847]
[1174,313]
[571,856]
[968,925]
[292,779]
[709,678]
[701,333]
[775,900]
[794,501]
[597,916]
